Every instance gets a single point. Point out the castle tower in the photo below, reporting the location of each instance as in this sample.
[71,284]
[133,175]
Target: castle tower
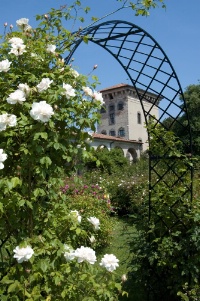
[122,114]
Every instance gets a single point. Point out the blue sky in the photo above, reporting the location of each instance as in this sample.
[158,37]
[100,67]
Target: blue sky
[176,29]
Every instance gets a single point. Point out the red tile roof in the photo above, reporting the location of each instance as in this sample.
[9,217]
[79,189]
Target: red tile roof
[107,137]
[116,86]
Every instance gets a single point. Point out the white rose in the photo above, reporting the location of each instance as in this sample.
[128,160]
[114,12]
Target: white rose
[17,49]
[12,120]
[3,157]
[16,41]
[95,222]
[3,122]
[22,23]
[87,91]
[25,88]
[74,73]
[85,254]
[110,262]
[44,84]
[7,120]
[69,253]
[17,96]
[69,91]
[23,254]
[51,48]
[98,96]
[27,27]
[41,111]
[5,65]
[92,239]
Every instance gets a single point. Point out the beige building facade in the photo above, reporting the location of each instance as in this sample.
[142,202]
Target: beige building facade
[122,114]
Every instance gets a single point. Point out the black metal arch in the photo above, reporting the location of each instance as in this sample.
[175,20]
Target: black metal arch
[151,74]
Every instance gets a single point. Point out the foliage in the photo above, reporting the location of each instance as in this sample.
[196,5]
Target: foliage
[90,200]
[166,245]
[127,186]
[107,161]
[44,116]
[192,99]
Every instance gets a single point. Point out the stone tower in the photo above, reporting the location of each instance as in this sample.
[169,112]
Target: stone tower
[122,114]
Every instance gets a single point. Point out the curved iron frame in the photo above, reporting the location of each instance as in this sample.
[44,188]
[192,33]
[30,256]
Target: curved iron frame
[149,71]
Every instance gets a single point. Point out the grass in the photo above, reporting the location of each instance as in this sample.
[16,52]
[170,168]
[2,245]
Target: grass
[123,232]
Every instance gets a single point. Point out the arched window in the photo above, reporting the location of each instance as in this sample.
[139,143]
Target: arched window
[139,118]
[120,106]
[104,132]
[121,132]
[111,107]
[112,132]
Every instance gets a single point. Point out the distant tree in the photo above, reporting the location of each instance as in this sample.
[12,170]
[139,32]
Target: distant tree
[192,99]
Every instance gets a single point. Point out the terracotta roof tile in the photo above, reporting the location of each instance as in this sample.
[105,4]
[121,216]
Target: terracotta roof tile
[116,86]
[107,137]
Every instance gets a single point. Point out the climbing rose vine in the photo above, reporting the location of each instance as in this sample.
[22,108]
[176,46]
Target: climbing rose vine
[47,111]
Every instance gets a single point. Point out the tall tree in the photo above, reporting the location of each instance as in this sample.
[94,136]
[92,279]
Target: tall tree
[192,98]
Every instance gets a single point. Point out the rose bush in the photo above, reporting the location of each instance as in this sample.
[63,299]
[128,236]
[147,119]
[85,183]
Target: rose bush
[45,115]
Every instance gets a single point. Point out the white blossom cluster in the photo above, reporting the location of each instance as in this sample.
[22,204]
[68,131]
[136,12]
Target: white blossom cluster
[17,46]
[81,254]
[23,24]
[94,94]
[5,65]
[23,254]
[44,84]
[93,220]
[74,73]
[51,48]
[69,91]
[109,261]
[85,254]
[7,120]
[40,111]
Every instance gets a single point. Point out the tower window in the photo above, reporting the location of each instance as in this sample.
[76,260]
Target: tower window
[112,118]
[111,108]
[120,106]
[121,132]
[104,132]
[112,132]
[139,119]
[110,96]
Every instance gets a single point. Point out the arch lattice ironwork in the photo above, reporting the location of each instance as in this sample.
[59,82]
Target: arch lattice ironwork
[150,71]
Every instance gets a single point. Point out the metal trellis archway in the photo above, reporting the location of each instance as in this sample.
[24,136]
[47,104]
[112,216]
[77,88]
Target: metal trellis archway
[150,71]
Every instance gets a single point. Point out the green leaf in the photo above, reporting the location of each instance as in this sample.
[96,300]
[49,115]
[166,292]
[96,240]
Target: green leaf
[14,287]
[39,192]
[1,207]
[43,135]
[46,161]
[56,145]
[85,39]
[15,181]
